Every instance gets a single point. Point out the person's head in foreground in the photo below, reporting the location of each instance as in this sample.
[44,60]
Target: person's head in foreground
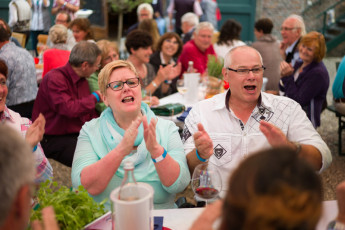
[120,87]
[17,175]
[312,47]
[273,189]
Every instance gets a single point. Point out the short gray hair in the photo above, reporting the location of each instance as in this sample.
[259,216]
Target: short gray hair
[84,51]
[191,18]
[204,25]
[145,6]
[17,167]
[58,34]
[299,23]
[228,56]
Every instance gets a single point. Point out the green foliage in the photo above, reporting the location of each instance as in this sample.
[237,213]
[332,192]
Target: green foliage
[125,6]
[214,66]
[73,208]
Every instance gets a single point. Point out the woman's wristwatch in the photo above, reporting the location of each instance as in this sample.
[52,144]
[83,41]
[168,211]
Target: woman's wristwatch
[335,225]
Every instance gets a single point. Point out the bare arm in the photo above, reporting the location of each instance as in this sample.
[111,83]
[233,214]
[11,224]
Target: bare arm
[168,72]
[277,138]
[340,191]
[95,177]
[168,169]
[60,3]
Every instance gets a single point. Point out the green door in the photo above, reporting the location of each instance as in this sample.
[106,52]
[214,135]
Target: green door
[242,11]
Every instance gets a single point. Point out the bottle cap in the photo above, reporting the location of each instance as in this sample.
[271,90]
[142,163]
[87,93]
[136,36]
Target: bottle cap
[128,165]
[190,63]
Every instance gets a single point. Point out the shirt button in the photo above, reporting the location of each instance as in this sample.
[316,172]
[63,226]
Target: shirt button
[244,134]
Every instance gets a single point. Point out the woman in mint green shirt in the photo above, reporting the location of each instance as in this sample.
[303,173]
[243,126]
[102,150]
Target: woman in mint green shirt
[129,131]
[110,53]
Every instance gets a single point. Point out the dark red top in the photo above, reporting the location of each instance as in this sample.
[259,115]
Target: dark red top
[65,101]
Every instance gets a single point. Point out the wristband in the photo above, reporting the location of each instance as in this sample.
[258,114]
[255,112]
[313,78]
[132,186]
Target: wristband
[35,148]
[154,84]
[96,96]
[167,82]
[199,157]
[161,157]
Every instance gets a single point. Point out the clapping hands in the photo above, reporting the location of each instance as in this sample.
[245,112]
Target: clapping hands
[35,132]
[170,71]
[203,142]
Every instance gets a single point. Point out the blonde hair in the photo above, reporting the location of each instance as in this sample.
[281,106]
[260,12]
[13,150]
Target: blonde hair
[105,46]
[104,75]
[58,34]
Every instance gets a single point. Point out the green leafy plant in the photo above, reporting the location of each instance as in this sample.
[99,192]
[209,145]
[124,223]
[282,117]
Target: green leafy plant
[73,208]
[214,66]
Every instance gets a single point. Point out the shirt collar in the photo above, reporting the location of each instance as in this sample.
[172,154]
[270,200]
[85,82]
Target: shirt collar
[6,115]
[223,101]
[74,76]
[163,61]
[290,48]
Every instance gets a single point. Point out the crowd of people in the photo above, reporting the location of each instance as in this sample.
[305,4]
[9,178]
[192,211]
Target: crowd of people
[88,112]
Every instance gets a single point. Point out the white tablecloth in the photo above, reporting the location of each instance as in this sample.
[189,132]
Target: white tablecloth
[183,218]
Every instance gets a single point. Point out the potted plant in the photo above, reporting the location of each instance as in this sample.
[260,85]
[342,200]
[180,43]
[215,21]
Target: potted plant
[215,76]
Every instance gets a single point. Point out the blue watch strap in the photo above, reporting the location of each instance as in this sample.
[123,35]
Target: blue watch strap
[199,157]
[96,96]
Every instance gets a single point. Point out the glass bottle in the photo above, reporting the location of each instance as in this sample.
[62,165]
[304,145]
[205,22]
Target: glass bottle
[190,68]
[129,188]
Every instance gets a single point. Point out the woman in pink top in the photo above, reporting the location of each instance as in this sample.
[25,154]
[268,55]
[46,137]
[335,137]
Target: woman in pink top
[58,55]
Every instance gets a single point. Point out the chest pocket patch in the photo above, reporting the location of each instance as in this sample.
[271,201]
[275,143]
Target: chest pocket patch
[221,148]
[219,151]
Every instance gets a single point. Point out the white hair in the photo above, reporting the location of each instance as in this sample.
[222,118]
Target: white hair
[228,56]
[204,25]
[145,6]
[17,167]
[299,23]
[191,18]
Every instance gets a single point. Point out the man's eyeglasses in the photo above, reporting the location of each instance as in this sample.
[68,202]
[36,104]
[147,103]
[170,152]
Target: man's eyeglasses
[288,28]
[255,71]
[118,85]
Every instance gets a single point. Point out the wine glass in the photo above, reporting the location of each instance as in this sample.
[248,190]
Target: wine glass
[181,86]
[206,181]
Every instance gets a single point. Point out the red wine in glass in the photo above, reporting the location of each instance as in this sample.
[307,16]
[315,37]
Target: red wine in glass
[206,192]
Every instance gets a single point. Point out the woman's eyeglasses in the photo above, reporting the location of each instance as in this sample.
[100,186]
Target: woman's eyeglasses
[118,85]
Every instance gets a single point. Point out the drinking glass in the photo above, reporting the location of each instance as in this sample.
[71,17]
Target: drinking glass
[206,181]
[146,97]
[181,86]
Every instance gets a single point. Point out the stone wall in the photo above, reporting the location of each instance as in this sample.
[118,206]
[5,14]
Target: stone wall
[278,10]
